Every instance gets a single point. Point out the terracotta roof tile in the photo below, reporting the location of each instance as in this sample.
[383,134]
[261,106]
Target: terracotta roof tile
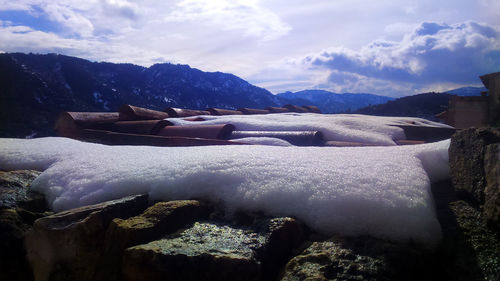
[134,125]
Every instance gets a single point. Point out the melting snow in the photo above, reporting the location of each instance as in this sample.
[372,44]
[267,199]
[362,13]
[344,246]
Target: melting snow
[378,191]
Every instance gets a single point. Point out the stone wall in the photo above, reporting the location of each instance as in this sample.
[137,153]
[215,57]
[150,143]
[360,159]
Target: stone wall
[135,239]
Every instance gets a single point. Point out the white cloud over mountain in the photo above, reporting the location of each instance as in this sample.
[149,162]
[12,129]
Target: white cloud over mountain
[433,53]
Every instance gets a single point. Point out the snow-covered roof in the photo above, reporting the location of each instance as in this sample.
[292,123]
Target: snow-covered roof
[185,127]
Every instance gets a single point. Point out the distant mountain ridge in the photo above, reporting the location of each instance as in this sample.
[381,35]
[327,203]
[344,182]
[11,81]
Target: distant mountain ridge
[35,88]
[425,105]
[330,102]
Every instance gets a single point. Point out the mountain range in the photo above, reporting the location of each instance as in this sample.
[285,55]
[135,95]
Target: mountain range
[425,105]
[330,102]
[34,89]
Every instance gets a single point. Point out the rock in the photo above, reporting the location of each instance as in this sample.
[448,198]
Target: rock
[67,245]
[355,258]
[205,251]
[283,235]
[492,191]
[14,191]
[469,250]
[13,264]
[466,153]
[475,243]
[19,208]
[218,252]
[158,220]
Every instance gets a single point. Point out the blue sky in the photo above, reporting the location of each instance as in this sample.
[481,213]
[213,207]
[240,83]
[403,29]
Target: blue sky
[392,48]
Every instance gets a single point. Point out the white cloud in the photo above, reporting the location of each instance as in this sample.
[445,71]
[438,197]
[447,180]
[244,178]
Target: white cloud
[398,29]
[243,15]
[71,19]
[81,18]
[432,53]
[26,39]
[490,6]
[432,56]
[15,5]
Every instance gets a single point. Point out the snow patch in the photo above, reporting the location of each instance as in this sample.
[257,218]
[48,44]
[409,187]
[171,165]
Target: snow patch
[99,99]
[264,141]
[379,191]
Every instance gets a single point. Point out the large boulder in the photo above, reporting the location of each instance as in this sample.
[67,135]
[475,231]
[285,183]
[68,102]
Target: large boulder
[216,251]
[467,151]
[68,245]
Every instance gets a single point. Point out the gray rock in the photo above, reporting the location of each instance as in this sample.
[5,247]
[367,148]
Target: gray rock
[476,243]
[468,250]
[14,191]
[218,252]
[205,251]
[361,258]
[19,207]
[68,245]
[156,221]
[283,236]
[467,149]
[492,191]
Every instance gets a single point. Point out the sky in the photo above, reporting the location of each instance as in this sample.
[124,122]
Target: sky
[392,48]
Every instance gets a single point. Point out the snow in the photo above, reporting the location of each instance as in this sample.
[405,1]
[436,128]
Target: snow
[379,191]
[338,127]
[264,141]
[98,99]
